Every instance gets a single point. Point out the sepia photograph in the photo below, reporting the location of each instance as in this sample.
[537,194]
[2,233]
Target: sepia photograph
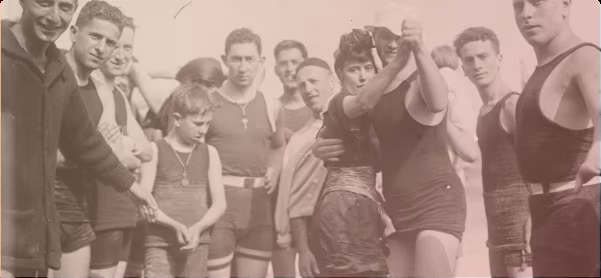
[300,138]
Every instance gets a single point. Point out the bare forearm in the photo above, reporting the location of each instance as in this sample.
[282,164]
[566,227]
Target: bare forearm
[213,214]
[369,96]
[433,86]
[299,233]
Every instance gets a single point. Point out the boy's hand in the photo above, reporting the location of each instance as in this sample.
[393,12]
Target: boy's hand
[194,233]
[183,234]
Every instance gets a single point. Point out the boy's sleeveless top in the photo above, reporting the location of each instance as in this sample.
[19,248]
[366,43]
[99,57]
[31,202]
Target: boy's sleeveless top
[547,152]
[413,155]
[499,164]
[185,204]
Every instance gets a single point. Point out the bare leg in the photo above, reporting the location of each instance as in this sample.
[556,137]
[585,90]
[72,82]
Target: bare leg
[284,262]
[518,272]
[247,267]
[402,256]
[103,273]
[73,264]
[221,267]
[435,254]
[120,271]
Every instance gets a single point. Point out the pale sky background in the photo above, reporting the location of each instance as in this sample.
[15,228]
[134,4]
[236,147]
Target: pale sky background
[200,29]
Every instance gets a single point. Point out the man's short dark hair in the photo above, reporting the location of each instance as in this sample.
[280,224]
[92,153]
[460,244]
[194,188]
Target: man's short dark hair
[473,34]
[290,44]
[242,35]
[101,10]
[129,22]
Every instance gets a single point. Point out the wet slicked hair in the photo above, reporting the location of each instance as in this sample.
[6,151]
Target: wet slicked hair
[290,44]
[242,35]
[476,34]
[98,9]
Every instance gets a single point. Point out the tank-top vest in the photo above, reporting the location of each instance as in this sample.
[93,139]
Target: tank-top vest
[547,152]
[243,152]
[499,164]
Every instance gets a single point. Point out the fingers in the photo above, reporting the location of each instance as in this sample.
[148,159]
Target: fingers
[314,267]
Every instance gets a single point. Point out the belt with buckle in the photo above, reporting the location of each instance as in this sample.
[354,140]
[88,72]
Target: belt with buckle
[243,182]
[545,188]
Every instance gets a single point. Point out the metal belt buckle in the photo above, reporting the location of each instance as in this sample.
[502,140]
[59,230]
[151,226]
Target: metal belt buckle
[249,182]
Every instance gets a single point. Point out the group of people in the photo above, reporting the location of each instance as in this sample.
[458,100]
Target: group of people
[351,170]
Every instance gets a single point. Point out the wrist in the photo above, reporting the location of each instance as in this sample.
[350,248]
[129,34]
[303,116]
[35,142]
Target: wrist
[420,50]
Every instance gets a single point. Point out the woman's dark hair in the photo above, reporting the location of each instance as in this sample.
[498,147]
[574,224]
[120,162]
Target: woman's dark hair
[354,46]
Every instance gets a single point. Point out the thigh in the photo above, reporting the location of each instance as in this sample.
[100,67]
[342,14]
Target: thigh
[435,254]
[497,264]
[74,264]
[196,262]
[158,263]
[257,244]
[75,236]
[250,267]
[283,262]
[110,247]
[402,254]
[221,249]
[565,234]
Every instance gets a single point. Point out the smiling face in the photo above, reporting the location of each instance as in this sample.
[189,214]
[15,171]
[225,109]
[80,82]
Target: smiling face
[540,21]
[480,62]
[94,42]
[46,20]
[314,86]
[122,55]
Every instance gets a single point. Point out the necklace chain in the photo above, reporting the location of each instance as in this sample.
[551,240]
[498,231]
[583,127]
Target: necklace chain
[185,180]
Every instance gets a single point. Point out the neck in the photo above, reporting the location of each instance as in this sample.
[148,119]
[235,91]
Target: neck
[108,79]
[175,141]
[317,115]
[292,99]
[235,92]
[36,48]
[493,92]
[559,44]
[81,73]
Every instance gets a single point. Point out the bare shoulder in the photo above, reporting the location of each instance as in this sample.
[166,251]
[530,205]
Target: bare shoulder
[585,60]
[212,151]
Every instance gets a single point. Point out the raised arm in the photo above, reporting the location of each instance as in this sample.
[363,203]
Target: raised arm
[368,96]
[433,87]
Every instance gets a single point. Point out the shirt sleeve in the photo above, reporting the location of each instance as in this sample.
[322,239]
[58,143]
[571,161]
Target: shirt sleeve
[81,142]
[338,117]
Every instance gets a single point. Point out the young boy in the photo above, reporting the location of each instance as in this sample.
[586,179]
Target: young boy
[181,175]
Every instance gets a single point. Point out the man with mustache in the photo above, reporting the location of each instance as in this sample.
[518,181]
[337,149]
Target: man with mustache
[42,111]
[557,141]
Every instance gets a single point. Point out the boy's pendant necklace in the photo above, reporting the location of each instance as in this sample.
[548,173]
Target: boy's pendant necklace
[185,181]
